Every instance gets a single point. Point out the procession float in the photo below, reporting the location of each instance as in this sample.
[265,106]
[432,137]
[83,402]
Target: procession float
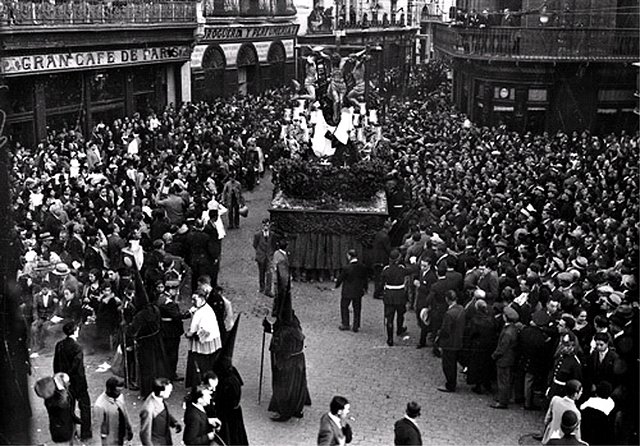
[329,195]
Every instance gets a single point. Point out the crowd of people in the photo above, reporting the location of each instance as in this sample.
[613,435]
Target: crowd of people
[121,235]
[520,261]
[141,187]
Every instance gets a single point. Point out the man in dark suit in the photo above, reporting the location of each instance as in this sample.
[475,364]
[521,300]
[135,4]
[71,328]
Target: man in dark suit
[455,279]
[264,246]
[354,283]
[505,357]
[436,301]
[450,340]
[380,251]
[601,364]
[214,245]
[406,430]
[426,278]
[199,259]
[197,429]
[535,355]
[334,431]
[68,358]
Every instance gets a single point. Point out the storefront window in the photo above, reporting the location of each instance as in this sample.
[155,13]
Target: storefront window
[144,102]
[21,132]
[107,85]
[63,89]
[108,115]
[64,121]
[20,95]
[144,79]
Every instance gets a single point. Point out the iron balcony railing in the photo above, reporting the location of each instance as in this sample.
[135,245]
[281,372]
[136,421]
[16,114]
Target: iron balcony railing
[248,8]
[43,13]
[538,44]
[326,25]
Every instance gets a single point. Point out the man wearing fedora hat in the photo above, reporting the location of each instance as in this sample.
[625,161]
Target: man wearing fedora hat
[406,431]
[64,279]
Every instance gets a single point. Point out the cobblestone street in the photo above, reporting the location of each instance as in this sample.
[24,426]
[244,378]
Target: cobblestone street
[378,380]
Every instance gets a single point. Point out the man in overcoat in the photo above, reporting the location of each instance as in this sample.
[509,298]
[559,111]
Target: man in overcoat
[354,281]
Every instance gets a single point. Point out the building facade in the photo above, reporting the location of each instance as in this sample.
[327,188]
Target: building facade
[428,14]
[387,25]
[243,46]
[74,64]
[563,66]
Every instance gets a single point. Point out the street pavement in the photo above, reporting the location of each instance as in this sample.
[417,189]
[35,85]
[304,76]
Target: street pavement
[378,380]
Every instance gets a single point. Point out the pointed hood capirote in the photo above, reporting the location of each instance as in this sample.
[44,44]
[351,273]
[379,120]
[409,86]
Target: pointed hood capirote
[224,361]
[141,297]
[285,308]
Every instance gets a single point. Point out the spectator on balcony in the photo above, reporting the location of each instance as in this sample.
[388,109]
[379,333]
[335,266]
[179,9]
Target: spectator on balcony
[472,19]
[315,20]
[353,17]
[484,19]
[327,19]
[508,18]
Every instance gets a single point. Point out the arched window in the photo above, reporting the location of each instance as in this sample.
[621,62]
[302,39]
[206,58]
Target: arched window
[247,63]
[213,65]
[247,56]
[213,58]
[276,59]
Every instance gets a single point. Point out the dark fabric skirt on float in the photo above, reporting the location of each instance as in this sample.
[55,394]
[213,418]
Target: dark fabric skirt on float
[322,251]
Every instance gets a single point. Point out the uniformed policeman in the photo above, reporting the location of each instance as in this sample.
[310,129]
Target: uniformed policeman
[567,366]
[172,327]
[394,294]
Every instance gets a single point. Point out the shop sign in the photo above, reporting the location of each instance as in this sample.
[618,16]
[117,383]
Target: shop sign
[218,33]
[14,65]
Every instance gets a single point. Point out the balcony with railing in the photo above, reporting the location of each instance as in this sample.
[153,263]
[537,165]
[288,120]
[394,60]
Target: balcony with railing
[18,14]
[538,44]
[248,8]
[323,22]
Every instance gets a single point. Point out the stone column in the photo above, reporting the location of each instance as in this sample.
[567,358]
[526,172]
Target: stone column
[185,81]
